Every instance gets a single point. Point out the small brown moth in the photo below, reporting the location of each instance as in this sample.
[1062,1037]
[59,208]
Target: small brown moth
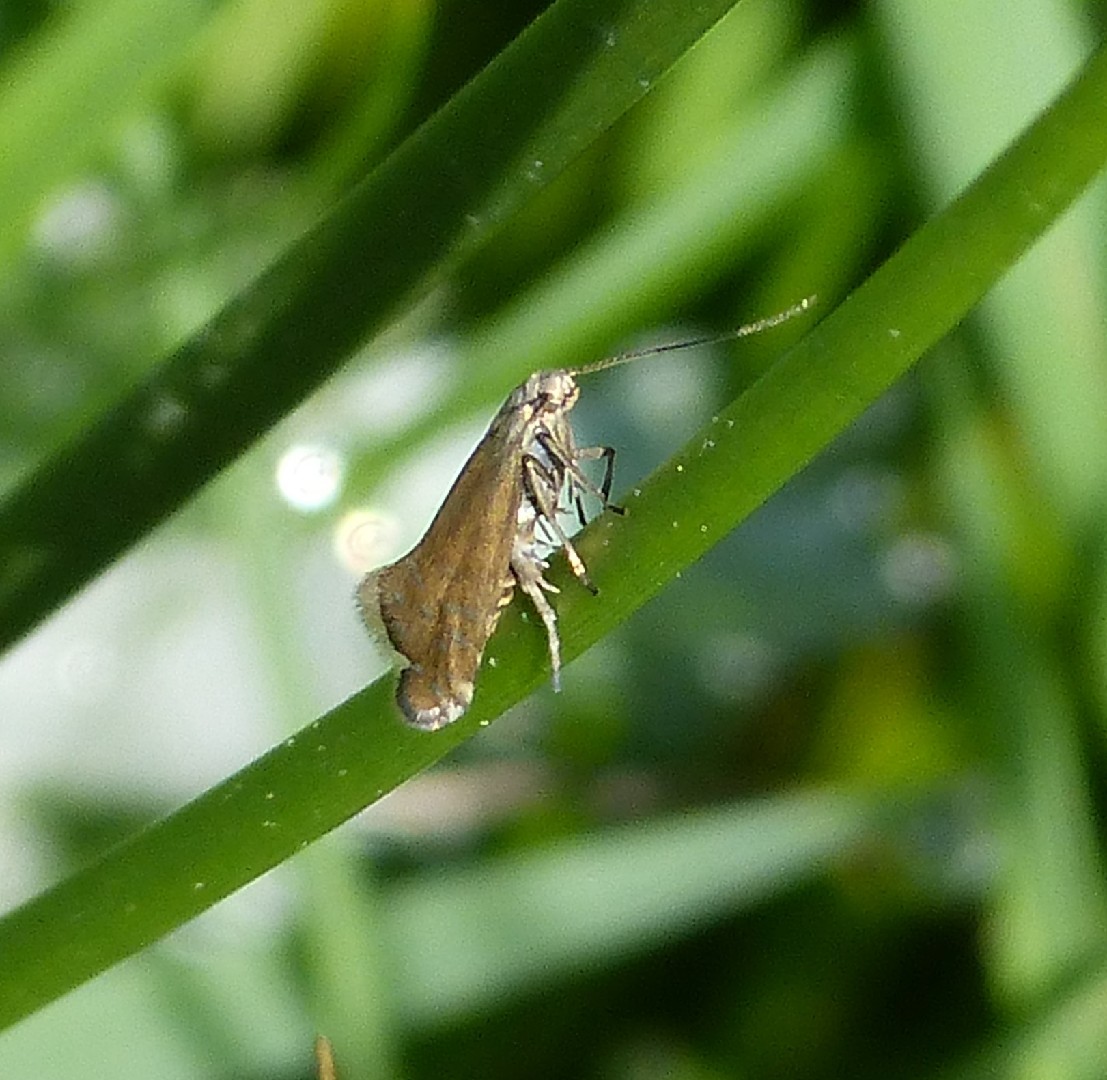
[438,605]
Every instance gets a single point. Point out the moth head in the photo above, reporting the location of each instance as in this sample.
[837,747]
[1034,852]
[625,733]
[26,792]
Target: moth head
[546,392]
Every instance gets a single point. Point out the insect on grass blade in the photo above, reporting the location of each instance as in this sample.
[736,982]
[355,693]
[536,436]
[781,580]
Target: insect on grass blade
[437,606]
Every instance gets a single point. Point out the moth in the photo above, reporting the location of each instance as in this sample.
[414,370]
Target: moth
[437,606]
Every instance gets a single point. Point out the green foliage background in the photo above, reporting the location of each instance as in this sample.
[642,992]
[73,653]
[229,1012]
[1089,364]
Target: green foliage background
[828,805]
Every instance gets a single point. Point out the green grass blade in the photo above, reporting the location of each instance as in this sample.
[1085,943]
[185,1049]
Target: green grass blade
[1047,314]
[357,752]
[1065,1038]
[475,937]
[1044,328]
[574,72]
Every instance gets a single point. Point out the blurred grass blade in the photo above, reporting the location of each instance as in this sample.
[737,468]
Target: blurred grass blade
[575,71]
[346,963]
[1046,315]
[670,248]
[70,85]
[1066,1039]
[469,940]
[664,248]
[359,751]
[1047,338]
[1048,906]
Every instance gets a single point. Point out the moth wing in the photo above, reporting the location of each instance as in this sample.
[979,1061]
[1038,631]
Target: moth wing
[440,603]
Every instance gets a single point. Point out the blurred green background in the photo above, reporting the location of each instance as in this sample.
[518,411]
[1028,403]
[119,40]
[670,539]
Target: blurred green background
[829,806]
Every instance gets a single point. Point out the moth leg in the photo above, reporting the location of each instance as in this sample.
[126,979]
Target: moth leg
[579,480]
[527,569]
[561,455]
[568,459]
[540,501]
[534,475]
[594,453]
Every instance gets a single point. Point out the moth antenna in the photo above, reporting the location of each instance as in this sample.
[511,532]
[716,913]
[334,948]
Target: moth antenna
[767,323]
